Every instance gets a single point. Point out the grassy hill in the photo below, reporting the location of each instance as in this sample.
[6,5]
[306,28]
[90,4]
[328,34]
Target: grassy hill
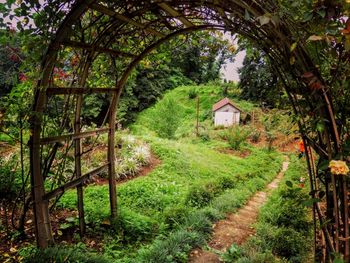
[169,211]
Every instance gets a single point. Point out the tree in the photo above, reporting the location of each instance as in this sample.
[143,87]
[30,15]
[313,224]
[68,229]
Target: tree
[258,82]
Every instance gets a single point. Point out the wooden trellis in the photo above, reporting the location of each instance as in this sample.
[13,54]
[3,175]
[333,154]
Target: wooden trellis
[111,27]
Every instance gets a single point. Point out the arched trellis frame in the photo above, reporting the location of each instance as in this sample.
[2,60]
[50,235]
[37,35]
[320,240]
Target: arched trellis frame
[128,31]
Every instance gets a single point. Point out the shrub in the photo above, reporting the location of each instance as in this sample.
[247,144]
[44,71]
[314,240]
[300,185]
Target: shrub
[174,248]
[204,135]
[192,93]
[142,154]
[175,215]
[200,195]
[199,222]
[9,178]
[227,182]
[132,227]
[62,254]
[289,244]
[270,137]
[235,136]
[128,166]
[231,254]
[288,210]
[166,118]
[255,136]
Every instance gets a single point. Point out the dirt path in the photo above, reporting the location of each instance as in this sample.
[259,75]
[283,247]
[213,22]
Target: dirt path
[237,227]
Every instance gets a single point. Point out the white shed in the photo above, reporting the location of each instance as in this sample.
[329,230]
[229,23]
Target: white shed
[226,113]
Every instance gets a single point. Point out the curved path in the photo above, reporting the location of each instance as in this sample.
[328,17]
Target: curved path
[237,227]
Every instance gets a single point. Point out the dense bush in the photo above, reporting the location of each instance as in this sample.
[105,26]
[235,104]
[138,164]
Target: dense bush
[166,118]
[192,93]
[132,227]
[255,136]
[60,254]
[236,136]
[174,248]
[200,195]
[9,179]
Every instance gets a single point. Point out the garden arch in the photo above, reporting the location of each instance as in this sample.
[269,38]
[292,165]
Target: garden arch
[94,27]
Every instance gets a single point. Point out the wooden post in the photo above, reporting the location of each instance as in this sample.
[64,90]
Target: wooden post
[335,213]
[78,144]
[111,157]
[77,163]
[346,220]
[41,207]
[197,125]
[41,211]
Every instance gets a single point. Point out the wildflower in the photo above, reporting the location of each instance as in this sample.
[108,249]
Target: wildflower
[338,167]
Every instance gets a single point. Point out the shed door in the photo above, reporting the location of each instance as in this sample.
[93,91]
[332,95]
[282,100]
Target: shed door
[224,118]
[236,117]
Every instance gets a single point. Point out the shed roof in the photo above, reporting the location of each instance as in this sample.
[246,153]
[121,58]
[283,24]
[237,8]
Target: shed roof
[223,103]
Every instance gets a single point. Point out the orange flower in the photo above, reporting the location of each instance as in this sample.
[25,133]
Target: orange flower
[301,146]
[338,167]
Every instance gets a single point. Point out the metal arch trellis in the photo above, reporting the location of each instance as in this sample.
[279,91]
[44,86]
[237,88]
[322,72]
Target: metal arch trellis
[119,27]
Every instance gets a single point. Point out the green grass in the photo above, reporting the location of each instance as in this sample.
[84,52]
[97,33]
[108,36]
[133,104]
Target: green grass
[208,95]
[164,214]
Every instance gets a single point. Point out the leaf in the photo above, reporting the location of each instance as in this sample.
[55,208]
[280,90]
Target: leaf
[13,249]
[70,219]
[289,184]
[322,13]
[320,127]
[65,226]
[338,259]
[293,46]
[308,16]
[292,60]
[246,15]
[275,20]
[311,201]
[315,38]
[263,20]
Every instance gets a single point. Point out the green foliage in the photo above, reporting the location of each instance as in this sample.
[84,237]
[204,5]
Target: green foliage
[201,195]
[62,254]
[255,136]
[9,178]
[132,227]
[10,60]
[166,118]
[174,248]
[258,82]
[231,254]
[192,93]
[236,136]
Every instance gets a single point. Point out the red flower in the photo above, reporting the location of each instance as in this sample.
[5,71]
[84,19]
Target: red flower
[22,77]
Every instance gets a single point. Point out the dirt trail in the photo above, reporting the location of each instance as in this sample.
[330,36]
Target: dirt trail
[237,227]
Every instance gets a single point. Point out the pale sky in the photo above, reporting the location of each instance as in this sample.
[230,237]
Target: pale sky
[229,70]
